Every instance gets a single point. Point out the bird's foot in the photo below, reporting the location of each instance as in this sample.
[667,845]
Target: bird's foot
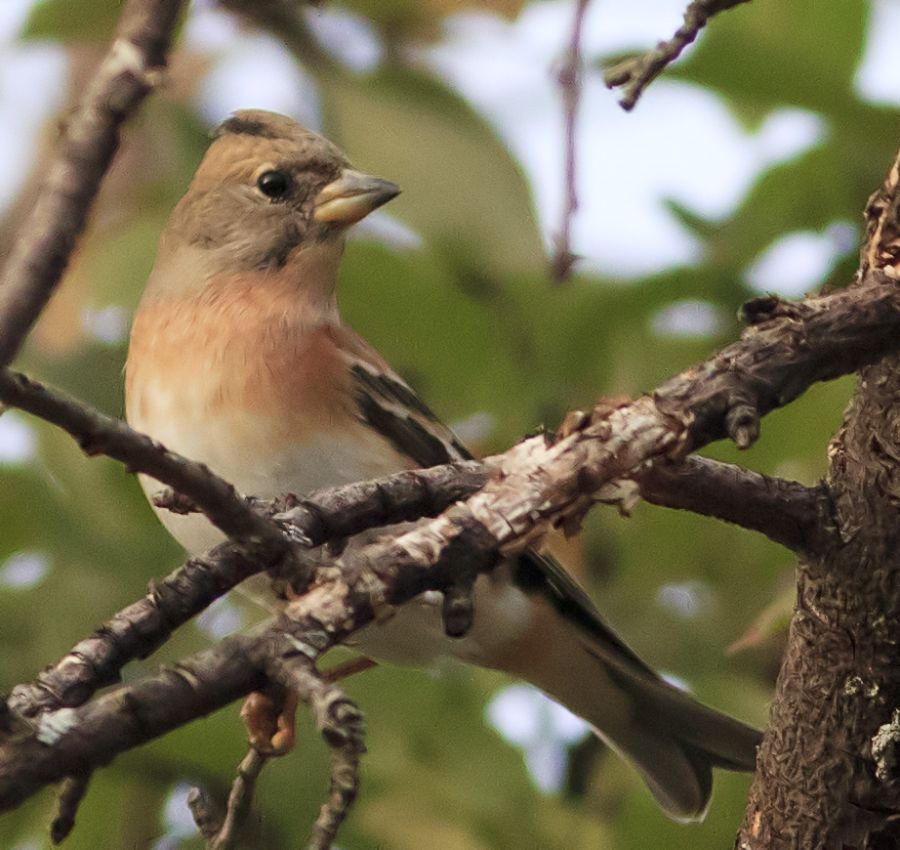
[270,722]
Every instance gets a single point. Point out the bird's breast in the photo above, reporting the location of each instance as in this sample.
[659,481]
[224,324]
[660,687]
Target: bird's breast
[240,382]
[252,392]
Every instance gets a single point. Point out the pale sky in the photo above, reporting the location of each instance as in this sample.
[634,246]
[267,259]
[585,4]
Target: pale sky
[505,70]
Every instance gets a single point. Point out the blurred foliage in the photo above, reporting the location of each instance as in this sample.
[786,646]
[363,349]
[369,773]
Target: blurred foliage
[471,317]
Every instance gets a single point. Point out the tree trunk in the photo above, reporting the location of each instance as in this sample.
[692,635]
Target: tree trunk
[829,767]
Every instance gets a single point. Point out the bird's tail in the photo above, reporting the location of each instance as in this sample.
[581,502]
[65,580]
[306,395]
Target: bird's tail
[672,740]
[675,741]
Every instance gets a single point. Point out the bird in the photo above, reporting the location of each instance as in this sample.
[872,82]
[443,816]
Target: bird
[239,358]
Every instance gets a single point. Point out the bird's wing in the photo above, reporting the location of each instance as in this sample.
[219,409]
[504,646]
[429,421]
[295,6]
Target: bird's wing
[386,403]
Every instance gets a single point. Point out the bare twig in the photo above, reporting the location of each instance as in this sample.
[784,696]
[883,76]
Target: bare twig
[637,72]
[70,796]
[225,835]
[569,80]
[131,69]
[785,511]
[139,629]
[340,723]
[98,433]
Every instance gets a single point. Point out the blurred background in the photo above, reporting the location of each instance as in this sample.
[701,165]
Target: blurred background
[743,170]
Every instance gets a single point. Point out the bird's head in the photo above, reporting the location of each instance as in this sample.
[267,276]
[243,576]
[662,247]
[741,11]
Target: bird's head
[268,187]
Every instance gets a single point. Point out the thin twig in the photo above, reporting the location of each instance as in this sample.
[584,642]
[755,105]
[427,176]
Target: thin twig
[569,80]
[99,434]
[637,72]
[70,796]
[787,512]
[239,800]
[139,629]
[341,724]
[130,70]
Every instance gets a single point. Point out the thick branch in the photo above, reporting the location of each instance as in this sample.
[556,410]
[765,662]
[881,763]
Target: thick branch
[128,73]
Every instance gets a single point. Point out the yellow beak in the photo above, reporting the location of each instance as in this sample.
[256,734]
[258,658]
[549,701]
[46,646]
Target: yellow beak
[352,197]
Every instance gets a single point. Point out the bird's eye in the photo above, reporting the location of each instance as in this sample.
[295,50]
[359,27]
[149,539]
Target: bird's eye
[274,184]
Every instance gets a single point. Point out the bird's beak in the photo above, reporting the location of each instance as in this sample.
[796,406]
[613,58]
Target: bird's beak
[351,197]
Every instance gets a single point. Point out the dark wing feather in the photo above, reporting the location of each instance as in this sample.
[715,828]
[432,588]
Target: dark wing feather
[389,406]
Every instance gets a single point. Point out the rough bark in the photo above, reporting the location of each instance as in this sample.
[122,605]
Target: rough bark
[828,768]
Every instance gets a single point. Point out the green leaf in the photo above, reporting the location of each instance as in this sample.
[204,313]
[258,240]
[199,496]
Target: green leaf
[66,20]
[806,193]
[772,53]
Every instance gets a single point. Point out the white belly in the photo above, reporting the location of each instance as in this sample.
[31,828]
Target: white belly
[415,634]
[243,451]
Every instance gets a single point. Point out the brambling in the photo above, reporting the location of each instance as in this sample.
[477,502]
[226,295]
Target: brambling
[239,358]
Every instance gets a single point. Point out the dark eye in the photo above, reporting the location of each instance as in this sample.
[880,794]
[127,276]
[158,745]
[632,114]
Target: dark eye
[274,184]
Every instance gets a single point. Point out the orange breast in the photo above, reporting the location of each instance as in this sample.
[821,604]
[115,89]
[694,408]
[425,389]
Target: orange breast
[242,378]
[234,350]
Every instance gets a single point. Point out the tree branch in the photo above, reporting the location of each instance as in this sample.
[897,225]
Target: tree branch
[131,69]
[139,629]
[569,80]
[540,483]
[634,74]
[791,346]
[98,434]
[73,741]
[787,512]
